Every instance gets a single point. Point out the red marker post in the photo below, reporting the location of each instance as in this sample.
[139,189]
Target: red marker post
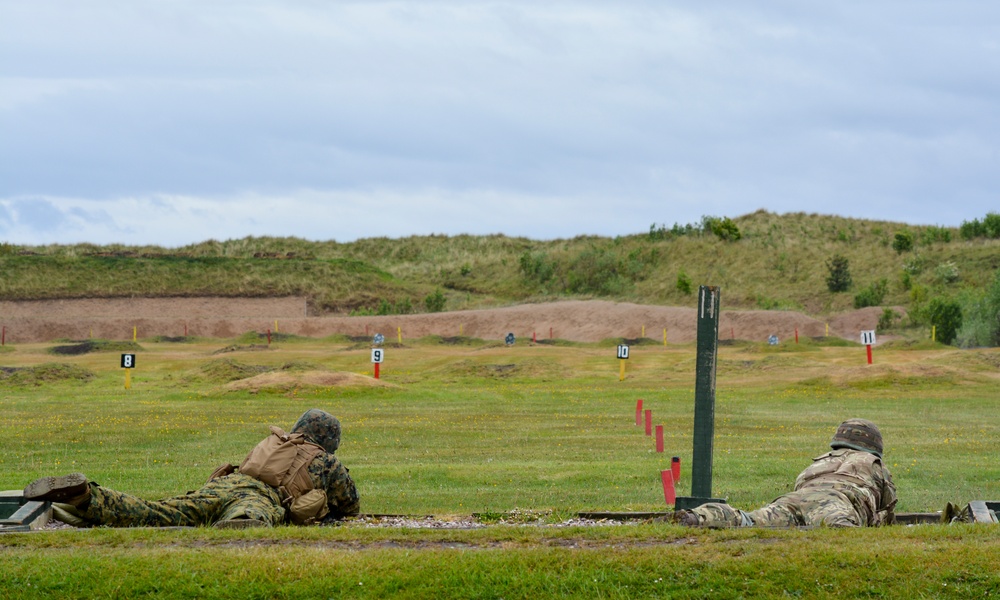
[638,412]
[796,335]
[378,355]
[868,339]
[3,337]
[268,337]
[669,493]
[649,422]
[675,467]
[659,438]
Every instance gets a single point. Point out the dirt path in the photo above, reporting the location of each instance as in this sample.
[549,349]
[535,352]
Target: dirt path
[575,320]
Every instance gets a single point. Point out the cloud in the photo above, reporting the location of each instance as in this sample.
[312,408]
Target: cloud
[876,111]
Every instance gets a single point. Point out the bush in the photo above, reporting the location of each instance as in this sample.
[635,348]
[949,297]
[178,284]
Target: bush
[724,228]
[887,319]
[946,272]
[903,242]
[946,316]
[981,324]
[934,234]
[839,279]
[989,227]
[435,302]
[915,265]
[596,271]
[873,295]
[683,282]
[537,266]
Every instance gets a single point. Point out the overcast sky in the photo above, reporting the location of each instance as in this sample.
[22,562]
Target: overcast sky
[176,122]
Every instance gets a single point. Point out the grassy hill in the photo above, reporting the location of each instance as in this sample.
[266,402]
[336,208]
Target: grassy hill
[777,262]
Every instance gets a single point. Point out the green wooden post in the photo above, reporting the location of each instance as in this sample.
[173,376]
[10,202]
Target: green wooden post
[704,399]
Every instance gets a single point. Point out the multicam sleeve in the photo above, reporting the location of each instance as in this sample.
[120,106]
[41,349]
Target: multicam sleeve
[886,511]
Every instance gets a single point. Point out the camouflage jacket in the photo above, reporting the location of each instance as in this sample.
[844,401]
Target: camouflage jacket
[860,476]
[331,476]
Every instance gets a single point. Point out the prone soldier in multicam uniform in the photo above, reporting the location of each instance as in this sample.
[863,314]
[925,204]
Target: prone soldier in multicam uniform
[846,487]
[322,489]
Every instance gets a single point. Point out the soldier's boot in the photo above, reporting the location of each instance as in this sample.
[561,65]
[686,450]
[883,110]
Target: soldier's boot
[72,489]
[243,523]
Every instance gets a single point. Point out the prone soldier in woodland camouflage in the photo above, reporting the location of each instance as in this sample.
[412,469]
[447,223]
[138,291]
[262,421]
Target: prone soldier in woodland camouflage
[846,487]
[291,477]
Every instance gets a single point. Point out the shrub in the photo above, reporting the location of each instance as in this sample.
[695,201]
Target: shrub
[839,278]
[660,232]
[887,319]
[596,271]
[946,316]
[683,282]
[872,295]
[989,227]
[435,302]
[915,265]
[724,228]
[934,234]
[537,266]
[903,242]
[981,322]
[946,272]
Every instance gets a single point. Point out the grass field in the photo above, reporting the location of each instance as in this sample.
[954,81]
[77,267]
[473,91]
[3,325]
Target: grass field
[457,429]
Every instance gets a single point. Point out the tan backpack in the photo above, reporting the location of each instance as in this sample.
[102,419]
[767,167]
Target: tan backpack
[281,460]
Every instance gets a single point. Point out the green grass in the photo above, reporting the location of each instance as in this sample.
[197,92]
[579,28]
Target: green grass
[467,428]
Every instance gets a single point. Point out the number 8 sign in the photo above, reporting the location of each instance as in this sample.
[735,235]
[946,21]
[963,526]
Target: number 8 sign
[128,361]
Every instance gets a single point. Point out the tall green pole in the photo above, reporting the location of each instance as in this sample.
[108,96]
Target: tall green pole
[704,398]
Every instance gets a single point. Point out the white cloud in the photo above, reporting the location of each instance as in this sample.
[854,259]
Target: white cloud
[679,110]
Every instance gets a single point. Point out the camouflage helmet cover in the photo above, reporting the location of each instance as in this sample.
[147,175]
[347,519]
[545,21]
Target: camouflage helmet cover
[321,427]
[858,434]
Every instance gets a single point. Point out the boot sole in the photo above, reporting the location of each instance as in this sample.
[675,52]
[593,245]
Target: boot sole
[57,489]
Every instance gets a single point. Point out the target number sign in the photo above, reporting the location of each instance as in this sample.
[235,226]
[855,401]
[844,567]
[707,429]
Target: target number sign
[378,355]
[868,337]
[623,352]
[128,361]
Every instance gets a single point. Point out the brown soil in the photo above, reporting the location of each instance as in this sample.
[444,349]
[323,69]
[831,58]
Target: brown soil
[574,320]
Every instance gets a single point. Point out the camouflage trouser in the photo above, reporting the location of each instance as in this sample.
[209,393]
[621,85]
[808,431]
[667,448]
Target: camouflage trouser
[828,507]
[231,497]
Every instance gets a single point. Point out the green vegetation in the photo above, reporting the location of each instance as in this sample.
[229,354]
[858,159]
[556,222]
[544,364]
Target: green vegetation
[989,227]
[468,426]
[839,277]
[777,262]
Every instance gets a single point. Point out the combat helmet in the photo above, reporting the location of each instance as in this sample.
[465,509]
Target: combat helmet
[320,427]
[858,434]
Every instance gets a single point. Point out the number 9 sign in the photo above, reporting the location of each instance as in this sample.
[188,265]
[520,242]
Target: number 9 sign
[377,355]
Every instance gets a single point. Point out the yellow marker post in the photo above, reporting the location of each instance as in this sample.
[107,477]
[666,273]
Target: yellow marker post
[933,333]
[621,372]
[459,329]
[643,331]
[133,333]
[399,335]
[275,326]
[128,362]
[827,330]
